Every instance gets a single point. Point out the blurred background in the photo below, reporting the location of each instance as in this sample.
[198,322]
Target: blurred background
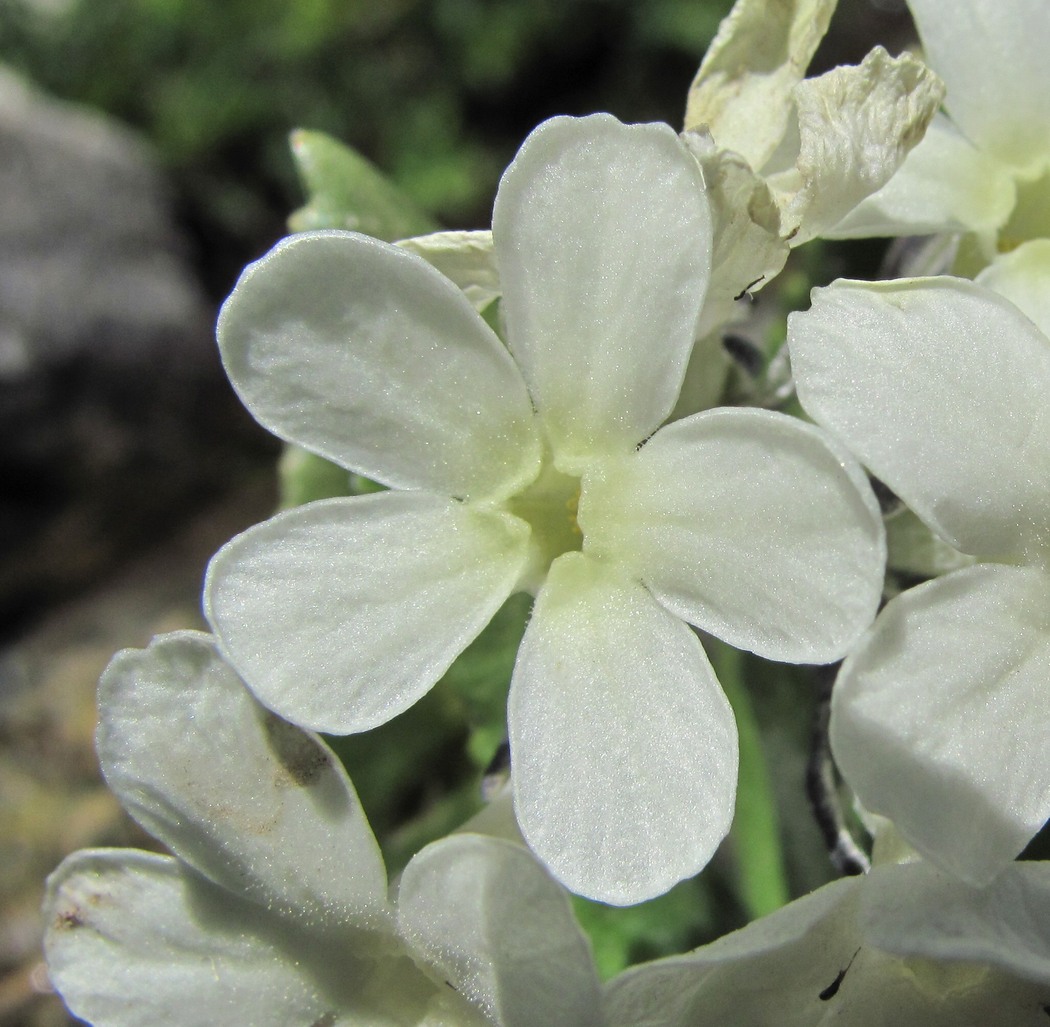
[144,160]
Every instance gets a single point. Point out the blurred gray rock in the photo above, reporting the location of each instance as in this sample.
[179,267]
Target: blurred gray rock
[114,414]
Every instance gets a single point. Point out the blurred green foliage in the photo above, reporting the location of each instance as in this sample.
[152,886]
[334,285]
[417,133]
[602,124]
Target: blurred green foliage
[344,190]
[439,93]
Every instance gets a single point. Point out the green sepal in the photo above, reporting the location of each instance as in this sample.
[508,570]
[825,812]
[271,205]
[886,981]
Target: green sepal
[344,190]
[303,477]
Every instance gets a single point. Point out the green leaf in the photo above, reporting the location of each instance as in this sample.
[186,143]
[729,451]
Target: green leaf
[407,766]
[755,833]
[480,678]
[303,477]
[623,935]
[344,190]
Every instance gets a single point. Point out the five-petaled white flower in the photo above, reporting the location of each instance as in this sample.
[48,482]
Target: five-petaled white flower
[940,386]
[274,910]
[984,167]
[538,466]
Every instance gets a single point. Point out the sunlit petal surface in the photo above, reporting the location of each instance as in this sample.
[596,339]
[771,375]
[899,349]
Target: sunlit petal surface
[364,353]
[992,57]
[492,921]
[137,940]
[750,525]
[945,184]
[1022,276]
[623,745]
[255,804]
[939,718]
[342,613]
[940,387]
[603,239]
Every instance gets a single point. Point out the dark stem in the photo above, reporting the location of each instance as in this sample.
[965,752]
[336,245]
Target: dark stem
[822,783]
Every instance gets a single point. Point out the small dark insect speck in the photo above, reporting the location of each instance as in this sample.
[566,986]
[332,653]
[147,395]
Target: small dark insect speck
[68,920]
[452,986]
[746,291]
[833,988]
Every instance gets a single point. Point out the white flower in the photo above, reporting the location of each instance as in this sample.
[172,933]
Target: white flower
[902,945]
[784,159]
[940,386]
[274,910]
[985,167]
[533,468]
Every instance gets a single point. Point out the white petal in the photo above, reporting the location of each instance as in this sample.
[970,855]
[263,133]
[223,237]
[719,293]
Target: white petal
[498,928]
[944,185]
[742,91]
[856,124]
[362,352]
[749,524]
[938,721]
[769,974]
[810,965]
[248,800]
[748,250]
[992,57]
[135,940]
[814,964]
[1022,276]
[623,746]
[915,911]
[340,614]
[464,258]
[603,237]
[939,387]
[496,818]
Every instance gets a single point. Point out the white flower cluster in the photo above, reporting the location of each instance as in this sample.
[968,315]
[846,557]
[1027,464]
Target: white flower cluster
[571,456]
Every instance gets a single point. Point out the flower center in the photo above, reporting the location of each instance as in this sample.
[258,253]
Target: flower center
[549,507]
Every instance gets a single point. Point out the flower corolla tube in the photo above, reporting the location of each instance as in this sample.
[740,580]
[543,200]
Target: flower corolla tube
[540,465]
